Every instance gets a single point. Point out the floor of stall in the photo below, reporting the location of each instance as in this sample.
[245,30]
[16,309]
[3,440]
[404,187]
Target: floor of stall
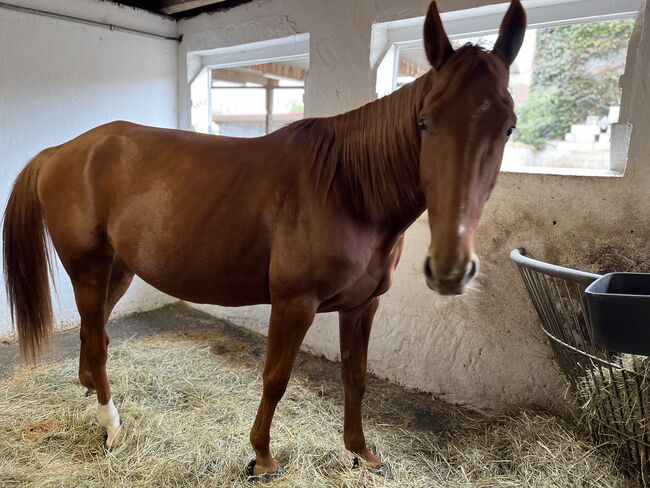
[187,386]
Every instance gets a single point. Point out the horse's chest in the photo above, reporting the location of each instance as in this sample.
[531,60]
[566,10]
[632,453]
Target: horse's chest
[371,281]
[367,287]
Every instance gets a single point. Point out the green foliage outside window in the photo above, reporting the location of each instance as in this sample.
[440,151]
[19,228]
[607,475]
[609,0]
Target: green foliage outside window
[576,74]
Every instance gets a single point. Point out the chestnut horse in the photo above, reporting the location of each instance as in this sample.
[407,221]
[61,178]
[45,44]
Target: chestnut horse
[309,218]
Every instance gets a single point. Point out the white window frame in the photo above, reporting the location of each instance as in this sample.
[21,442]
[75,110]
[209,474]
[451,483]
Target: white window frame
[201,63]
[389,37]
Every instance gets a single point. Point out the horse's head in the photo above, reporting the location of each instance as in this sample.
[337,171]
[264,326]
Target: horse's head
[466,120]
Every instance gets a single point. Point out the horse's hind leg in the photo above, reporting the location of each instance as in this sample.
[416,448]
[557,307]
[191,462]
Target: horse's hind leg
[354,329]
[120,279]
[90,281]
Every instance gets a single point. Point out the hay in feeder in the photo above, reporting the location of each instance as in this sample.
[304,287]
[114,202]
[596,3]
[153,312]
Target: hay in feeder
[616,406]
[187,410]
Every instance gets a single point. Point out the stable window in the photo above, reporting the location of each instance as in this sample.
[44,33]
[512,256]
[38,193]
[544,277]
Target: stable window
[565,81]
[252,89]
[253,100]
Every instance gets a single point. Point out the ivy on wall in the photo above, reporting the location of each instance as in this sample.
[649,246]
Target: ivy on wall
[576,74]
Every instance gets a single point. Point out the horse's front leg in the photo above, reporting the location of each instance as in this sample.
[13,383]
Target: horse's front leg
[354,329]
[289,323]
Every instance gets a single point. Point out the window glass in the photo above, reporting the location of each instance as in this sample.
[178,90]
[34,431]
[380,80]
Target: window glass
[288,106]
[565,84]
[239,112]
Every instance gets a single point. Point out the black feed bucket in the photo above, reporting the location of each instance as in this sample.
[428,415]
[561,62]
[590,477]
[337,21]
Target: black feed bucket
[619,306]
[613,389]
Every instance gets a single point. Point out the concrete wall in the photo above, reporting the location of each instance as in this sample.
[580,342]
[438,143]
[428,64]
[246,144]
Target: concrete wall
[484,349]
[59,79]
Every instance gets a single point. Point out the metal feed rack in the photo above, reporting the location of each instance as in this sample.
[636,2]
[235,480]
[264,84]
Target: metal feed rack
[558,295]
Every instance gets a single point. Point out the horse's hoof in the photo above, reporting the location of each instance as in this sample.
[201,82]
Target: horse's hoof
[117,442]
[107,449]
[384,471]
[250,473]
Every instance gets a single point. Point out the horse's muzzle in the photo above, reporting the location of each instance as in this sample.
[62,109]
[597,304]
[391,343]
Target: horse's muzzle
[450,286]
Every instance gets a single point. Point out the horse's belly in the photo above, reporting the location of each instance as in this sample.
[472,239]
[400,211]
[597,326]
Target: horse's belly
[226,271]
[206,289]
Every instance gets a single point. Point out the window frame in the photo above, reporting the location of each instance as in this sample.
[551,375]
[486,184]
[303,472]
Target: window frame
[290,48]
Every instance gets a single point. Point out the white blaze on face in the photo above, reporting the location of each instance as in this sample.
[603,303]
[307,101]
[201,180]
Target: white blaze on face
[476,117]
[469,154]
[481,110]
[109,419]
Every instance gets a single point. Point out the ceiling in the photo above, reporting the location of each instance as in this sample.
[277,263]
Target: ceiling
[181,8]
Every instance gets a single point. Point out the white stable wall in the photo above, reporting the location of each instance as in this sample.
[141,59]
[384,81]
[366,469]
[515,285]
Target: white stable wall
[59,79]
[484,349]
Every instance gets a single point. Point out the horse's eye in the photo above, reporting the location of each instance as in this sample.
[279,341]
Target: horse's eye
[423,125]
[510,131]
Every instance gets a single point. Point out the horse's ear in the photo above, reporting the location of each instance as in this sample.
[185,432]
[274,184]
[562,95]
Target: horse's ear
[512,32]
[436,42]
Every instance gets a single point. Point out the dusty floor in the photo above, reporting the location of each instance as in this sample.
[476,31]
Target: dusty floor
[188,384]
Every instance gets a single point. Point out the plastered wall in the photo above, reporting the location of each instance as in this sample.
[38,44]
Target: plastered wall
[484,349]
[59,79]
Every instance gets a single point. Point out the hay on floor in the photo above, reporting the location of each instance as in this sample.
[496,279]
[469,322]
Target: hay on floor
[187,411]
[616,404]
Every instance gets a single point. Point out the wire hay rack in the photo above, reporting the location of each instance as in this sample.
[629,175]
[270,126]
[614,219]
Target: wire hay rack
[613,390]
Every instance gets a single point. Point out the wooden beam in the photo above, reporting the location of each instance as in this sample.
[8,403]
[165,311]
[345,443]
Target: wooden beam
[410,69]
[235,76]
[171,7]
[280,70]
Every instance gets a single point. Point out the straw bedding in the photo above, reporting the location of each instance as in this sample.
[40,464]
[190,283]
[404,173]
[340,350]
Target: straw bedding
[187,409]
[615,405]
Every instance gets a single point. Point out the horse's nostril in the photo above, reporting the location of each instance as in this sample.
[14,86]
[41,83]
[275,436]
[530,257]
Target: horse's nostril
[472,269]
[428,272]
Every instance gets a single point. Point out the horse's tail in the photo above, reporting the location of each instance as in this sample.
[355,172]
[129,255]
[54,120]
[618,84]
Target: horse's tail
[26,263]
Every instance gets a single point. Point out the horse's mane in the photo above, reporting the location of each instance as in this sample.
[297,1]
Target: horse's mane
[373,152]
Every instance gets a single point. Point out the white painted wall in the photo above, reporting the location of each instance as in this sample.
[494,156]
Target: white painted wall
[59,79]
[485,349]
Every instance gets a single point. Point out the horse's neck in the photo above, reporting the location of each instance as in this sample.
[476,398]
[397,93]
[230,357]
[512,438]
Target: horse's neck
[372,156]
